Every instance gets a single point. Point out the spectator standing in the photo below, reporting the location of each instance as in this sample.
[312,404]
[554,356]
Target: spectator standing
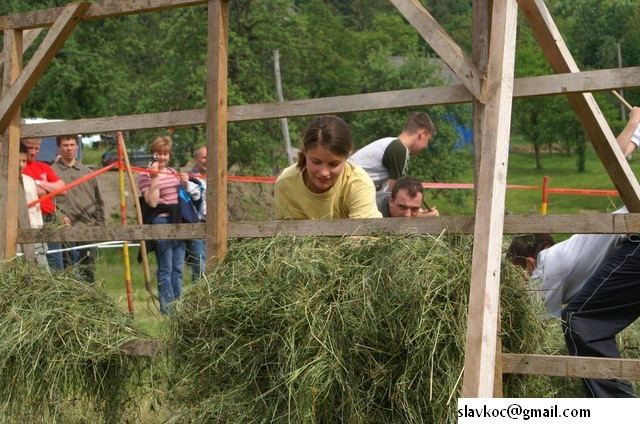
[322,184]
[387,159]
[196,249]
[82,206]
[159,189]
[46,182]
[35,212]
[404,200]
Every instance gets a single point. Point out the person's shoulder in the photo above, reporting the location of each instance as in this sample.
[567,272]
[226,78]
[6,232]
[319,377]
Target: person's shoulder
[354,172]
[289,172]
[397,146]
[40,165]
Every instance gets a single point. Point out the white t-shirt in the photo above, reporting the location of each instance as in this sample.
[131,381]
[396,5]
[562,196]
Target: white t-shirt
[635,138]
[383,159]
[31,194]
[563,268]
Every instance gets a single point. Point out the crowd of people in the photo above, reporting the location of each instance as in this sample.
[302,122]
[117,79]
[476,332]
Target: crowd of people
[328,181]
[82,204]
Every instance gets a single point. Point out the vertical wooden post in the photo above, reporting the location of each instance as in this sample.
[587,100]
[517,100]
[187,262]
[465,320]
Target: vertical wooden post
[9,171]
[216,110]
[284,123]
[481,33]
[484,298]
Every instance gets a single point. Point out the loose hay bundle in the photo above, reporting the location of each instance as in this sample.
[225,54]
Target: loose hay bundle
[59,348]
[322,330]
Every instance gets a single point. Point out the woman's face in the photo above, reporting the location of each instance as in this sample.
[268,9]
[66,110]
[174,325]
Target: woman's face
[323,168]
[163,158]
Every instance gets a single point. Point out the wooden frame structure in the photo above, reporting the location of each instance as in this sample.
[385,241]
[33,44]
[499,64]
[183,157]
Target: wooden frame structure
[487,81]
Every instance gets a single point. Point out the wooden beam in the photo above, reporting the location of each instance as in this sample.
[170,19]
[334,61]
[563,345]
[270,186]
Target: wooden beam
[513,224]
[14,96]
[571,366]
[28,37]
[604,80]
[9,170]
[216,113]
[585,106]
[481,37]
[484,297]
[98,10]
[443,45]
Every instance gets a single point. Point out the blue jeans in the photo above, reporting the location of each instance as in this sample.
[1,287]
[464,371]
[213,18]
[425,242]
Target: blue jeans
[55,259]
[197,258]
[170,258]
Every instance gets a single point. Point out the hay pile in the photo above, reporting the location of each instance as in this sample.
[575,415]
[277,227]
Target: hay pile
[321,330]
[59,349]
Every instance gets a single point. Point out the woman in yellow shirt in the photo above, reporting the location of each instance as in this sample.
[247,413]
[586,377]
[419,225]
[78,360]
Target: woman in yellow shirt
[322,184]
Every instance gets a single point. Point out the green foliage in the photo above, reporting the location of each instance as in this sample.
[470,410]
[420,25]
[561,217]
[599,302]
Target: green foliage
[156,62]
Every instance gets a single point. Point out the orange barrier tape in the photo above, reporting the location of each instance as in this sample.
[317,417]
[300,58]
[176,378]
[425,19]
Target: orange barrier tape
[73,184]
[271,180]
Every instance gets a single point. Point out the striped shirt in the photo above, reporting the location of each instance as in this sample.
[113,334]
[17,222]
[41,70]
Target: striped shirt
[168,185]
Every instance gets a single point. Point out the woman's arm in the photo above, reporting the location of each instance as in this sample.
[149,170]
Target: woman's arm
[624,139]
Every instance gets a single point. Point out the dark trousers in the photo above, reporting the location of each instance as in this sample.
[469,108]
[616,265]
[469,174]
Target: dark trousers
[82,261]
[607,304]
[55,259]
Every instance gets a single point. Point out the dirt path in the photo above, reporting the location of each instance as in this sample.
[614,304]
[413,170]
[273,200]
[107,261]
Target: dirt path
[246,201]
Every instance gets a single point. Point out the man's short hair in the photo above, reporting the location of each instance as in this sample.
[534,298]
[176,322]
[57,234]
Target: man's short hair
[65,137]
[412,185]
[528,246]
[419,121]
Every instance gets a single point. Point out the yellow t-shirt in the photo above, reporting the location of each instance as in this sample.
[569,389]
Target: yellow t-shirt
[352,196]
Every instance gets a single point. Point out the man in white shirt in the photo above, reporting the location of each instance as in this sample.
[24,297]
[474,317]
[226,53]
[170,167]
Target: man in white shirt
[609,301]
[559,270]
[386,160]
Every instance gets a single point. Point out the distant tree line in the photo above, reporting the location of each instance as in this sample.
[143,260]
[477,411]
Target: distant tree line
[156,62]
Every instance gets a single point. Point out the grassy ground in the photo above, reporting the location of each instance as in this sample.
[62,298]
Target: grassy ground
[110,270]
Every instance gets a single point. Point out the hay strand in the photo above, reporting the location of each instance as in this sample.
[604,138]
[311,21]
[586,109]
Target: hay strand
[321,330]
[59,348]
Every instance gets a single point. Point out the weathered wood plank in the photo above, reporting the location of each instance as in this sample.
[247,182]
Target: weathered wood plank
[28,37]
[484,297]
[585,106]
[443,45]
[217,53]
[9,169]
[98,10]
[603,80]
[513,224]
[13,97]
[571,366]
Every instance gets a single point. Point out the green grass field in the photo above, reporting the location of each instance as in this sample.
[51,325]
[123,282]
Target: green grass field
[561,170]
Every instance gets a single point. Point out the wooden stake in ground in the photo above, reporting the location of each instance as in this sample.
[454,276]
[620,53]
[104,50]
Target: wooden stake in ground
[136,200]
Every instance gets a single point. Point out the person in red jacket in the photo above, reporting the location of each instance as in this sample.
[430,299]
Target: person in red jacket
[46,182]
